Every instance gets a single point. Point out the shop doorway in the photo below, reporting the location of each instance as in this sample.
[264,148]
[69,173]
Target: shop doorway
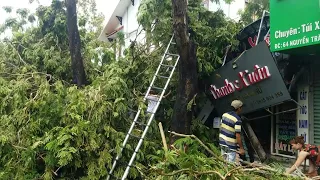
[262,128]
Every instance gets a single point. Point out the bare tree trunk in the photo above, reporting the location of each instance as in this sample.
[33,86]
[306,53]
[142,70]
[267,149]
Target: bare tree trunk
[188,79]
[254,140]
[79,76]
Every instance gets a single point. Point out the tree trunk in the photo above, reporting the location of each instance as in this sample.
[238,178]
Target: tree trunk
[187,67]
[254,142]
[79,76]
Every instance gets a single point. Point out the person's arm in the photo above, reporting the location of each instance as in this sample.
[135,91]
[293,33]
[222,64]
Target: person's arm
[302,156]
[239,141]
[237,128]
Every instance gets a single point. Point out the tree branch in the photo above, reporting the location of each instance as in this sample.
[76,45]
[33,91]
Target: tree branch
[190,171]
[229,172]
[202,144]
[258,167]
[17,53]
[254,167]
[18,147]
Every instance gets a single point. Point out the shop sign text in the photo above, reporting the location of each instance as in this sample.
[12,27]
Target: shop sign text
[294,24]
[246,79]
[283,147]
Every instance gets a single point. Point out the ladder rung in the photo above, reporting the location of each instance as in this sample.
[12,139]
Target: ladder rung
[172,54]
[140,123]
[154,87]
[153,99]
[150,112]
[166,77]
[135,136]
[167,65]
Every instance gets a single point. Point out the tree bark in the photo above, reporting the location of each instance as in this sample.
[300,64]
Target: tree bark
[188,78]
[254,140]
[79,76]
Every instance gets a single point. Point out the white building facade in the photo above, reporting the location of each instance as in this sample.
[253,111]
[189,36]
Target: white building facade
[124,19]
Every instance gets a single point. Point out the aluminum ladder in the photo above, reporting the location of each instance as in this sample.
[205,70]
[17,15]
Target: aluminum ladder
[162,65]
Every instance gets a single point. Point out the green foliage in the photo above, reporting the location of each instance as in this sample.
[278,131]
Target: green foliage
[210,30]
[254,10]
[52,130]
[8,9]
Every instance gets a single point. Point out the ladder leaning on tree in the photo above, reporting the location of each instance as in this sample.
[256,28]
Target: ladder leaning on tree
[170,68]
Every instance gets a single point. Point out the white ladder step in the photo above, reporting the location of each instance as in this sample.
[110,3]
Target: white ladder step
[135,136]
[165,77]
[172,54]
[166,65]
[158,88]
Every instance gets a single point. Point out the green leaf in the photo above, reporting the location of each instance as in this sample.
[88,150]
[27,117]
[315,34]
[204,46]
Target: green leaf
[36,144]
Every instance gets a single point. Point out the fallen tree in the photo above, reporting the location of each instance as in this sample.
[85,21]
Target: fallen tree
[203,161]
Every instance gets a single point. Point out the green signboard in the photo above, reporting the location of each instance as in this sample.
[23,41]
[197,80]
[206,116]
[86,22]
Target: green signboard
[294,24]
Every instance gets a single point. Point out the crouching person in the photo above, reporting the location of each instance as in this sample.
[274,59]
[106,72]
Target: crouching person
[306,151]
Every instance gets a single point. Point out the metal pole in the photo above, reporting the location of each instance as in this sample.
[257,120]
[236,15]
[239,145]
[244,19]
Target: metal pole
[264,12]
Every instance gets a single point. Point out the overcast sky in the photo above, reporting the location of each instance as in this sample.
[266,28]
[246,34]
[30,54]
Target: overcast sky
[104,6]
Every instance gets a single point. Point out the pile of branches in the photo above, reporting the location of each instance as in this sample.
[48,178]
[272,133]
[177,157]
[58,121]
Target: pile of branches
[190,158]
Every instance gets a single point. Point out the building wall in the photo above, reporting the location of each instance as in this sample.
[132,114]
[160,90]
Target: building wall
[131,24]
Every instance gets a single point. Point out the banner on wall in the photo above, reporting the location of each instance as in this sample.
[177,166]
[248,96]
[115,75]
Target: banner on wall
[291,124]
[302,114]
[286,129]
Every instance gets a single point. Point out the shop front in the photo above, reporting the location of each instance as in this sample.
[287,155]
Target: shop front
[280,86]
[284,128]
[254,78]
[300,38]
[276,114]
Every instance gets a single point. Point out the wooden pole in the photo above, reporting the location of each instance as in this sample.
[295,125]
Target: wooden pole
[163,137]
[254,141]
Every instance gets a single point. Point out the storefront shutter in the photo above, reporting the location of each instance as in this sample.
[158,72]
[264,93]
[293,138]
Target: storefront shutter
[316,108]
